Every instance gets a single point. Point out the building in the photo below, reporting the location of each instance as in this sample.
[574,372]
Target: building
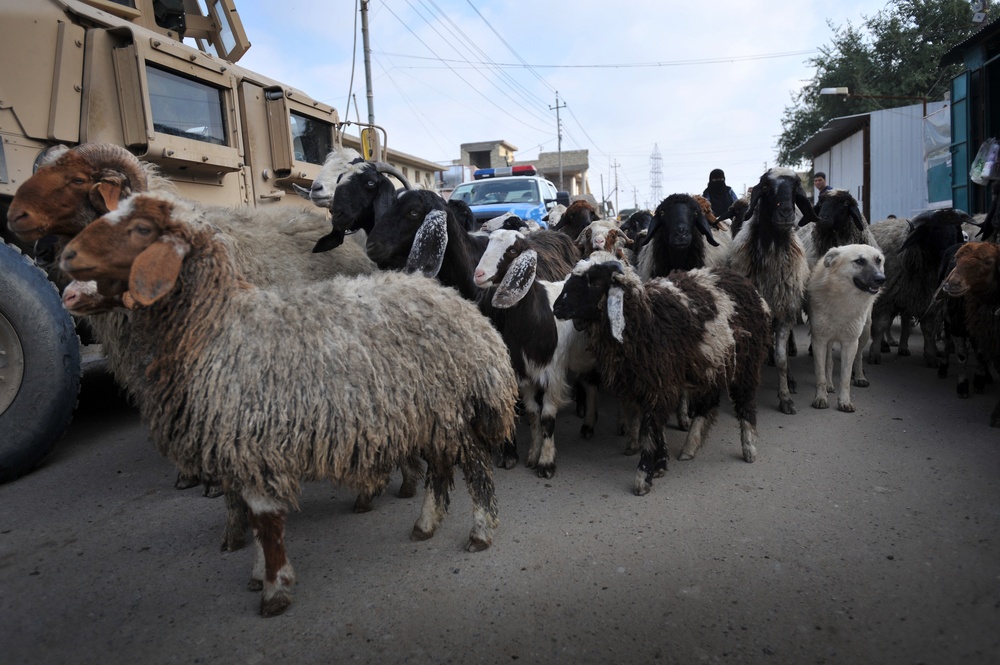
[880,158]
[975,95]
[420,172]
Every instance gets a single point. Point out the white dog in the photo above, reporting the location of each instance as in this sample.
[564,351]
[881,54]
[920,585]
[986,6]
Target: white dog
[842,289]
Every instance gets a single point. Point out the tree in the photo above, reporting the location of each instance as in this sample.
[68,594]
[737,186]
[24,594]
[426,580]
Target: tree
[896,52]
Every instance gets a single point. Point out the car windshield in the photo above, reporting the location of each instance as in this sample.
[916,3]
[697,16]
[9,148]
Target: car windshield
[486,192]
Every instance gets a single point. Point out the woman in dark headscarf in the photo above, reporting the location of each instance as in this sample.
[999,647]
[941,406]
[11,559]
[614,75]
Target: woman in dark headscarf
[718,193]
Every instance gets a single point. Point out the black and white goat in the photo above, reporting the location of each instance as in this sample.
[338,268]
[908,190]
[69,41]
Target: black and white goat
[358,193]
[768,252]
[451,254]
[701,331]
[544,351]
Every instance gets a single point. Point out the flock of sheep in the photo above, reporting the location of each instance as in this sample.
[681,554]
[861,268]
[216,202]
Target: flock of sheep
[264,350]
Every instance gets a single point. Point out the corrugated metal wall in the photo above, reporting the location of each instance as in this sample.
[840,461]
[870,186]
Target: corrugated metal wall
[844,165]
[898,172]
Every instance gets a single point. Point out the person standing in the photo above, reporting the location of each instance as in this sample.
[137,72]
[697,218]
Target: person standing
[719,194]
[820,184]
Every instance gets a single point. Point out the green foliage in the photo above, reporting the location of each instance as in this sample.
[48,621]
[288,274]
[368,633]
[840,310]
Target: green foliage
[896,52]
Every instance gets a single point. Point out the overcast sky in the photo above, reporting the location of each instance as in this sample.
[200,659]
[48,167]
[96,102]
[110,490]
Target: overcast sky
[705,82]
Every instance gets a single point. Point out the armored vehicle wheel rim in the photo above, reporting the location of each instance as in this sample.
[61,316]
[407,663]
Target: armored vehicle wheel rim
[11,363]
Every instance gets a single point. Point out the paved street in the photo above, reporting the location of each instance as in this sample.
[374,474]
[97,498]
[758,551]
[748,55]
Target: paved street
[871,537]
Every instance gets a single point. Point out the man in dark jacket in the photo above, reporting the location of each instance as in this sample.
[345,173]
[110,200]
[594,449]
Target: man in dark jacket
[718,193]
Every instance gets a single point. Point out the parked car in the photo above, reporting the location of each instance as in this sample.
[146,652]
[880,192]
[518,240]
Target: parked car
[515,189]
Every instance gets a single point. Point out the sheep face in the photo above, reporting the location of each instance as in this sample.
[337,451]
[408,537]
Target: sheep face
[977,270]
[679,216]
[109,249]
[66,194]
[837,211]
[933,232]
[338,165]
[776,196]
[585,292]
[360,193]
[637,223]
[390,240]
[503,249]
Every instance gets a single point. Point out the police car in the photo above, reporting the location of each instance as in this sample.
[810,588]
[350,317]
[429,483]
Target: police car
[515,189]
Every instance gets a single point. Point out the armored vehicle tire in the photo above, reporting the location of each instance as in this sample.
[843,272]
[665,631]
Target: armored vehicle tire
[39,364]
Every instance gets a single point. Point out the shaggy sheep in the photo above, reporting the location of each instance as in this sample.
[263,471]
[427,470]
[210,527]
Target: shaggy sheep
[404,365]
[576,218]
[555,213]
[736,213]
[542,350]
[767,251]
[680,238]
[701,330]
[976,279]
[272,246]
[913,252]
[839,222]
[842,290]
[951,330]
[604,235]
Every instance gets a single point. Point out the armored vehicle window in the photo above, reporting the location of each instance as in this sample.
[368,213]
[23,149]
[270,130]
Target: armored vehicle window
[311,139]
[185,108]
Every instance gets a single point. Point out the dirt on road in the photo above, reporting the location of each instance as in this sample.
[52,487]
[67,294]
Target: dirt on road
[871,537]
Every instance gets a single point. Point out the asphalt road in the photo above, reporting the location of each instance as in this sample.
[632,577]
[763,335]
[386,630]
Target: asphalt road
[871,537]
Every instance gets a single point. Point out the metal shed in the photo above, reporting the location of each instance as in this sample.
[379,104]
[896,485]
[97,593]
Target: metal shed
[878,157]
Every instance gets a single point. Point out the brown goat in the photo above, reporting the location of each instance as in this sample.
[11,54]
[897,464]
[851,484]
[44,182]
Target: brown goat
[576,218]
[976,278]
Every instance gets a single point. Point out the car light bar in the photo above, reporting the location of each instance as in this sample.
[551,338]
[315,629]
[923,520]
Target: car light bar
[527,169]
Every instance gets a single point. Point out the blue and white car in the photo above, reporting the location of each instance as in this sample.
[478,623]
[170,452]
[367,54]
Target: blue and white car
[515,189]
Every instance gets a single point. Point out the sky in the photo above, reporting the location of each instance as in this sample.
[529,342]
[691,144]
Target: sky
[704,84]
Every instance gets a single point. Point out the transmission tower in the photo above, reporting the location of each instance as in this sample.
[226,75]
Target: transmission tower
[655,177]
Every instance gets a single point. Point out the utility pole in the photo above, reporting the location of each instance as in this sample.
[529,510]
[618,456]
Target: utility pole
[615,166]
[562,186]
[372,132]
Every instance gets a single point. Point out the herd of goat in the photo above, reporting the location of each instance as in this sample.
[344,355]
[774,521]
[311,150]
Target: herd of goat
[416,350]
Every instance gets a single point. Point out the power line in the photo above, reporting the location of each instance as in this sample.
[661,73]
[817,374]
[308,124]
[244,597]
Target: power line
[623,65]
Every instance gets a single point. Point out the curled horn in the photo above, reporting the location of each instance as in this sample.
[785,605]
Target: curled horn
[110,156]
[384,167]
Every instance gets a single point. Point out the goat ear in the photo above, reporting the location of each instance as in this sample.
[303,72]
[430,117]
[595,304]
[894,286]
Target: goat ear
[155,271]
[856,216]
[105,194]
[802,203]
[331,240]
[914,237]
[701,223]
[616,312]
[518,280]
[429,244]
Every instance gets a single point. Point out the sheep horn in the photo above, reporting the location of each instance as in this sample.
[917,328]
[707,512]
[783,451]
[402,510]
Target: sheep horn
[384,167]
[110,156]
